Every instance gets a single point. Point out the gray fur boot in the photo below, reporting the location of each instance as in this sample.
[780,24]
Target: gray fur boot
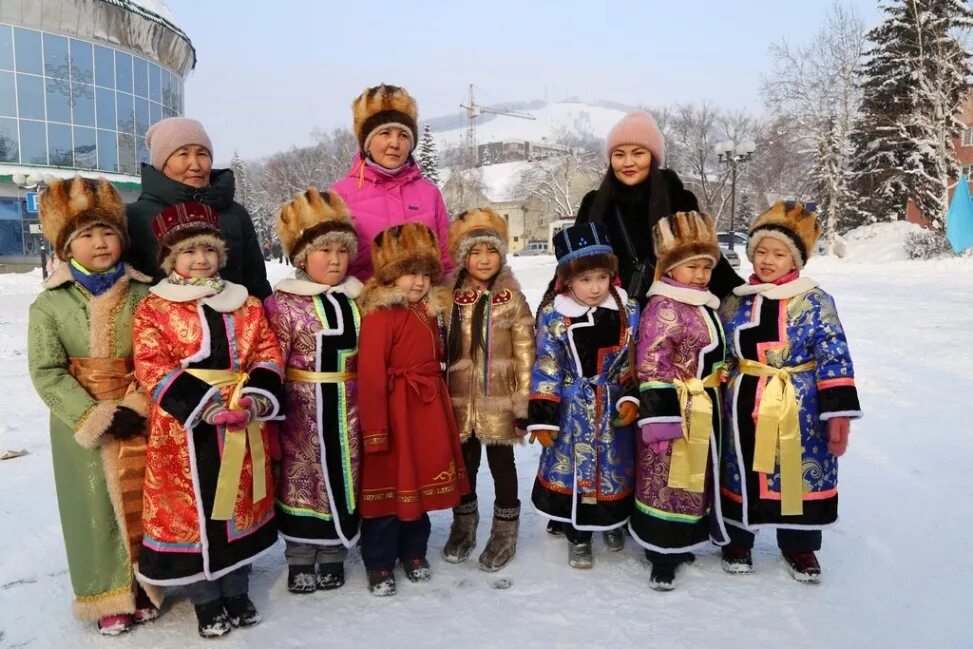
[462,533]
[502,546]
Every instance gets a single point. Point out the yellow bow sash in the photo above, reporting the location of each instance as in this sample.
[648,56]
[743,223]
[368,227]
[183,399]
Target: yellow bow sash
[235,447]
[687,465]
[778,426]
[295,375]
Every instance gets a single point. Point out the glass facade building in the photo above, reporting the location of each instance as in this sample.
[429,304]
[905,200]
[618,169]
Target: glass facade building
[81,81]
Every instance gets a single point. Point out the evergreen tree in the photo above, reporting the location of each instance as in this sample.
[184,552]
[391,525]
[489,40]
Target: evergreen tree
[830,181]
[246,194]
[915,78]
[427,156]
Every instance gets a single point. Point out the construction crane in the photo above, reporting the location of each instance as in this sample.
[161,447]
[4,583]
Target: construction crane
[474,110]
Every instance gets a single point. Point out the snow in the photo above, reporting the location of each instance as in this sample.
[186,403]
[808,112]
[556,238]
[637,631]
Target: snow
[897,568]
[159,7]
[550,118]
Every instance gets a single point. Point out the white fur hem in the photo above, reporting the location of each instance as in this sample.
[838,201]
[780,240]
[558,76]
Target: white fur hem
[850,414]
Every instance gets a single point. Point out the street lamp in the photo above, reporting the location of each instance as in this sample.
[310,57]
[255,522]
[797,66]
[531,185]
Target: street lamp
[31,183]
[731,155]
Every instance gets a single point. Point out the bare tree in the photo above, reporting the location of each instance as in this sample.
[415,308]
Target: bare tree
[561,182]
[696,128]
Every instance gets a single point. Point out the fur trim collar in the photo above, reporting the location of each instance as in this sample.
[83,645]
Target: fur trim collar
[566,306]
[231,298]
[690,296]
[377,296]
[352,287]
[799,286]
[62,275]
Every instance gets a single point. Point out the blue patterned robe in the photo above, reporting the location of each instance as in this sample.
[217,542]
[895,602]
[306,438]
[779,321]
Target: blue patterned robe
[587,478]
[799,326]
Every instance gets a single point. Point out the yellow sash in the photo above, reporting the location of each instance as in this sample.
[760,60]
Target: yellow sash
[687,465]
[778,426]
[235,447]
[306,376]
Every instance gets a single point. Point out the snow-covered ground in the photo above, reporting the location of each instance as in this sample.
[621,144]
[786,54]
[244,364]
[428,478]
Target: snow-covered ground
[898,568]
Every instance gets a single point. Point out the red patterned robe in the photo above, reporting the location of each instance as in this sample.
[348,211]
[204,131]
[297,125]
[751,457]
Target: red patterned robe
[187,327]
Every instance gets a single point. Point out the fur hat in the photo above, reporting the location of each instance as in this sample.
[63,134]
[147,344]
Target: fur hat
[167,136]
[583,247]
[682,237]
[69,207]
[313,219]
[182,226]
[479,225]
[640,128]
[790,223]
[403,249]
[384,106]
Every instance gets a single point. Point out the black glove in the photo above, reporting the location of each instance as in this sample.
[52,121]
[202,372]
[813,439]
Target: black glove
[126,423]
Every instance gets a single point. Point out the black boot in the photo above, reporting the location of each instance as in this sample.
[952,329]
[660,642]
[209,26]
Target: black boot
[212,620]
[330,576]
[381,583]
[301,579]
[663,576]
[241,610]
[416,569]
[804,566]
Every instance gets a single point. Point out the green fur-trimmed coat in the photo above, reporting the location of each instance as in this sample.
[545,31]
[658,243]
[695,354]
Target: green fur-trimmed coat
[67,322]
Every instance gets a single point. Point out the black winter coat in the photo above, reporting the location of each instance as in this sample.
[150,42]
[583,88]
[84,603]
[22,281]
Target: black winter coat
[640,208]
[244,262]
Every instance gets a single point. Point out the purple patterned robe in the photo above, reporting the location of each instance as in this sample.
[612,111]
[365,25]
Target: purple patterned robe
[319,477]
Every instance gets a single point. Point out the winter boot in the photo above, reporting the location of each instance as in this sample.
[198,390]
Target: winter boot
[301,579]
[417,570]
[579,555]
[212,620]
[462,533]
[737,561]
[115,624]
[663,576]
[145,610]
[502,546]
[804,566]
[330,576]
[615,539]
[555,528]
[381,583]
[241,610]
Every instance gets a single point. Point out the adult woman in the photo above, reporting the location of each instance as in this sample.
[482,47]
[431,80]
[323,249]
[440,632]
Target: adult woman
[635,193]
[384,186]
[181,171]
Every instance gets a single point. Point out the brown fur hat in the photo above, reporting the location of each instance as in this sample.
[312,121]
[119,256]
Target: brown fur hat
[69,207]
[384,105]
[682,237]
[789,223]
[479,225]
[311,220]
[403,249]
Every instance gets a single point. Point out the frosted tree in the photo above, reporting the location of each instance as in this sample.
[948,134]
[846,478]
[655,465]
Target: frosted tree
[247,194]
[830,179]
[427,157]
[914,82]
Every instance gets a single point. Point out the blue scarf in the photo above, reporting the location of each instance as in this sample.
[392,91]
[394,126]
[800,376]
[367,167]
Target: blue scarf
[95,282]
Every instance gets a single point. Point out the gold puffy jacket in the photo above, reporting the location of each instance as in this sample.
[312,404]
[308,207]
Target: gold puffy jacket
[491,389]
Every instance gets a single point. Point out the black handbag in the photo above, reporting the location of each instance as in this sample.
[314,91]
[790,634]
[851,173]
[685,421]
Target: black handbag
[637,282]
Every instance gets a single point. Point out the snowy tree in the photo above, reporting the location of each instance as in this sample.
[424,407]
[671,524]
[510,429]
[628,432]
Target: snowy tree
[247,194]
[560,182]
[427,157]
[914,82]
[814,85]
[830,179]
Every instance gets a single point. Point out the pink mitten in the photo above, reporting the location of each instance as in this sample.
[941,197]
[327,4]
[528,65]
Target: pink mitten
[232,419]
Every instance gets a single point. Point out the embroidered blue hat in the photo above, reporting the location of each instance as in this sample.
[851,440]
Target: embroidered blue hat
[584,240]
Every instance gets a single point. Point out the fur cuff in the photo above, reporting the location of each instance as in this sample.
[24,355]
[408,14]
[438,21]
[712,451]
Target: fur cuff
[137,401]
[91,608]
[94,424]
[520,405]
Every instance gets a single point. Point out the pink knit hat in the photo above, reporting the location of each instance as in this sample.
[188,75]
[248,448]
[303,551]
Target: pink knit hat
[171,134]
[637,128]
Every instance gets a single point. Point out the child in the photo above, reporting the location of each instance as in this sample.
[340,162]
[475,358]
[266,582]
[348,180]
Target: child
[413,462]
[680,353]
[584,347]
[80,358]
[316,322]
[204,351]
[491,352]
[790,396]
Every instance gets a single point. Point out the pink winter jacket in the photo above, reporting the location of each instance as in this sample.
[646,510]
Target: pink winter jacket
[377,202]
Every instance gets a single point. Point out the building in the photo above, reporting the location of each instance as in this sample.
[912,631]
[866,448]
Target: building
[81,81]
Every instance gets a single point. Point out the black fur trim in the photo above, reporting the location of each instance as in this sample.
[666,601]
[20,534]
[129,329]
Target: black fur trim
[387,117]
[544,412]
[786,232]
[582,264]
[318,230]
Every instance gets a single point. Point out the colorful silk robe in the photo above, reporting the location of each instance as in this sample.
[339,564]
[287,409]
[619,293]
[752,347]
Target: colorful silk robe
[680,337]
[587,477]
[319,474]
[785,325]
[180,328]
[67,322]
